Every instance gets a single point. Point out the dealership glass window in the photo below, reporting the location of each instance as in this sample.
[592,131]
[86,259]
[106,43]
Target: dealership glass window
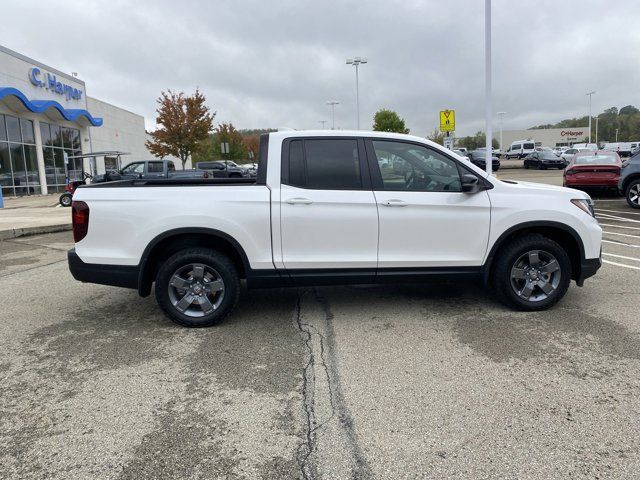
[45,133]
[13,129]
[56,142]
[56,136]
[6,177]
[110,163]
[3,129]
[27,131]
[18,160]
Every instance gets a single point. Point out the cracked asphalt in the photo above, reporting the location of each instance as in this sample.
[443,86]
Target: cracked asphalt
[397,381]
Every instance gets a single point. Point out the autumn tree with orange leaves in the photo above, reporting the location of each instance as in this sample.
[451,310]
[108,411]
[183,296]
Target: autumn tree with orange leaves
[184,123]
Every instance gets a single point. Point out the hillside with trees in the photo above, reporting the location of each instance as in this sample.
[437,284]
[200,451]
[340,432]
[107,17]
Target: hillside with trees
[626,121]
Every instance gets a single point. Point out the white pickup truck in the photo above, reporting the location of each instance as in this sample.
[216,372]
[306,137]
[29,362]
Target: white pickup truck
[333,208]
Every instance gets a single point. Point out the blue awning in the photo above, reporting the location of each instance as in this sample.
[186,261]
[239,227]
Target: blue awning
[40,106]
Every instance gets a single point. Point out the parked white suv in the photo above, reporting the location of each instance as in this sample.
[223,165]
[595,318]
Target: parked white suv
[332,207]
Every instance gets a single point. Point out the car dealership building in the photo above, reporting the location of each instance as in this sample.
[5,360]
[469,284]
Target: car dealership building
[47,117]
[544,137]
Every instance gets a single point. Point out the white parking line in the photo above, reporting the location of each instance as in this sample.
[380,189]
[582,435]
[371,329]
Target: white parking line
[617,211]
[621,256]
[620,265]
[621,234]
[621,244]
[606,216]
[619,226]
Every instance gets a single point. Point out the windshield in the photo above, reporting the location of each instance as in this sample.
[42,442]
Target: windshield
[548,155]
[596,160]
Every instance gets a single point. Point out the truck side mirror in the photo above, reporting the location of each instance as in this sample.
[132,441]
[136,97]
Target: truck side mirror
[470,183]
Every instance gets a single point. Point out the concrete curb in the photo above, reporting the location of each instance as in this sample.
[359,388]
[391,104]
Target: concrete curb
[28,231]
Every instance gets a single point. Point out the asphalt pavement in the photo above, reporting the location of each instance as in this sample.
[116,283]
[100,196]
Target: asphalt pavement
[397,381]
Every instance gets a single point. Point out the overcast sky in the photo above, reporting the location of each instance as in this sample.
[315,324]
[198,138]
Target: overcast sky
[276,63]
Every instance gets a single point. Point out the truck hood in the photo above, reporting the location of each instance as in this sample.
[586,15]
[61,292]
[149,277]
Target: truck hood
[543,187]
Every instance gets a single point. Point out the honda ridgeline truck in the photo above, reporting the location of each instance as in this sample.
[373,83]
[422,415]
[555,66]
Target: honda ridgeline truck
[331,208]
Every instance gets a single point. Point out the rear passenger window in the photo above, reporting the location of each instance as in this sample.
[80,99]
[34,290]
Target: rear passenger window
[327,164]
[296,164]
[155,167]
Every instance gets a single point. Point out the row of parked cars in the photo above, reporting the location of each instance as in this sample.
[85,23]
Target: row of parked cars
[584,165]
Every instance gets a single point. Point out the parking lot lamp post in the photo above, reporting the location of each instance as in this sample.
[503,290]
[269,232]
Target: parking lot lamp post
[487,80]
[616,135]
[357,61]
[333,104]
[589,95]
[501,114]
[597,118]
[322,122]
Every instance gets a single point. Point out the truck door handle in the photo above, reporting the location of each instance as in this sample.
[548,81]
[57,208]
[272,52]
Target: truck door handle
[299,201]
[394,203]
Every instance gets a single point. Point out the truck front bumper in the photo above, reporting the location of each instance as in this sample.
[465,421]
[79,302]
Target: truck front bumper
[588,268]
[114,275]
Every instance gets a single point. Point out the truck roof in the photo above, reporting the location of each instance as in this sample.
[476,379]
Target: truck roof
[347,133]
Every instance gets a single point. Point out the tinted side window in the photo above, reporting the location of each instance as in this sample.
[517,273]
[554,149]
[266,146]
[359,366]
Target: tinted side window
[329,164]
[296,164]
[406,166]
[529,146]
[154,167]
[332,164]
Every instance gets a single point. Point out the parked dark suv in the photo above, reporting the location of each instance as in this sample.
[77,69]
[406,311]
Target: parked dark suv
[221,169]
[479,158]
[629,183]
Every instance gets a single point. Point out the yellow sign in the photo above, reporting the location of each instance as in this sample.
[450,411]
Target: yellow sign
[447,120]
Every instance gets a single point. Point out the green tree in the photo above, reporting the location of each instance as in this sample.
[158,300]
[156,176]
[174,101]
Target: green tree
[629,110]
[388,121]
[184,125]
[211,150]
[436,136]
[476,141]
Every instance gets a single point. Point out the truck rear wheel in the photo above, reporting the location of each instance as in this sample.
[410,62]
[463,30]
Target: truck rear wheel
[531,273]
[197,287]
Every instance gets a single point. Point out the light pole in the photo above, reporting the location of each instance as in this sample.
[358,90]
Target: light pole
[333,104]
[487,80]
[501,114]
[597,118]
[356,61]
[616,135]
[322,122]
[589,95]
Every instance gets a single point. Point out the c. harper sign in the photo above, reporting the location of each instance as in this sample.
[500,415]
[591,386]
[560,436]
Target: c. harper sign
[51,83]
[572,133]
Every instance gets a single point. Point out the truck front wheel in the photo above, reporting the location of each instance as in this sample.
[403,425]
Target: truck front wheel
[531,272]
[632,193]
[197,287]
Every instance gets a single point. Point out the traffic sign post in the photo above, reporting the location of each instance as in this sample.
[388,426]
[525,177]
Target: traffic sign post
[447,120]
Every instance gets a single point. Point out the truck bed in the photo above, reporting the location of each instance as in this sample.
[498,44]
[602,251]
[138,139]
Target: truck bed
[159,182]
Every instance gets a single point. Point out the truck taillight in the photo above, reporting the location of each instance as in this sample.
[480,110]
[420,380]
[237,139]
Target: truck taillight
[205,174]
[80,220]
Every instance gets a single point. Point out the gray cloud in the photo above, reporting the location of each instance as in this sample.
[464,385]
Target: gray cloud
[269,64]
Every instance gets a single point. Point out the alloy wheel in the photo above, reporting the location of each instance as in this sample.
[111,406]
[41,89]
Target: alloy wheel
[535,275]
[634,194]
[196,289]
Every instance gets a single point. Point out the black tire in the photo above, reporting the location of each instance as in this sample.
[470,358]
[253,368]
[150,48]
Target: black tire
[631,191]
[214,262]
[541,166]
[526,166]
[508,259]
[66,199]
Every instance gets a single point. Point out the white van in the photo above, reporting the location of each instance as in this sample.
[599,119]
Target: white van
[588,146]
[521,148]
